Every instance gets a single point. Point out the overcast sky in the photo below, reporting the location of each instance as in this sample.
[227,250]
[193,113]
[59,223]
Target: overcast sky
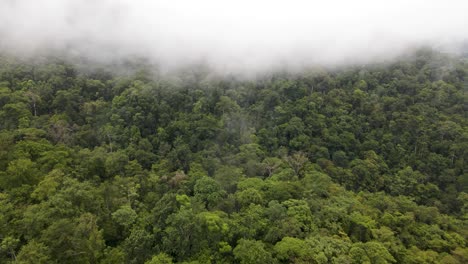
[232,35]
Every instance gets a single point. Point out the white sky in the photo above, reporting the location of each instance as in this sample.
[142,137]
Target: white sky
[232,35]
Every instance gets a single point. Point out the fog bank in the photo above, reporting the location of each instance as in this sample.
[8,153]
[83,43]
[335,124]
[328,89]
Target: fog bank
[232,36]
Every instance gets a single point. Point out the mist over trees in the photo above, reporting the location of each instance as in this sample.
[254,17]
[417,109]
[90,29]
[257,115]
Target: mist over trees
[241,37]
[362,164]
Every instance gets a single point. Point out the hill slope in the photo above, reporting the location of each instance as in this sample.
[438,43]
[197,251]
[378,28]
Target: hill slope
[360,165]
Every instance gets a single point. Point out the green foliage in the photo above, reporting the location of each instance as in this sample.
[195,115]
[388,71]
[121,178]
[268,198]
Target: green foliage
[252,251]
[124,216]
[208,191]
[33,252]
[161,258]
[364,164]
[294,250]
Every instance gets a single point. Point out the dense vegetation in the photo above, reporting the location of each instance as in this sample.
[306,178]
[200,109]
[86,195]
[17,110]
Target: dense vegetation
[358,165]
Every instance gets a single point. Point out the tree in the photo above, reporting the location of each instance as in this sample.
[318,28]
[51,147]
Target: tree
[208,191]
[227,177]
[161,258]
[138,245]
[182,235]
[271,164]
[297,161]
[9,245]
[370,252]
[19,172]
[124,216]
[294,250]
[252,251]
[33,252]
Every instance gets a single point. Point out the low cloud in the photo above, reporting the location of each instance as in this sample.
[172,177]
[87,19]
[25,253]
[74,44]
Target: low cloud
[232,36]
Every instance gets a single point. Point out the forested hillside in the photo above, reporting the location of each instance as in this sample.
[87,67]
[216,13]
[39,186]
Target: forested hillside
[363,164]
